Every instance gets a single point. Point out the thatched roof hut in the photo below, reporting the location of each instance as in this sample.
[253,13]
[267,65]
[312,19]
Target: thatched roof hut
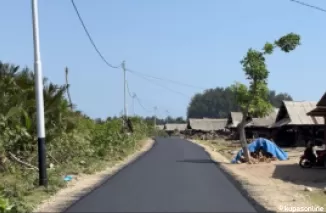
[264,122]
[172,127]
[207,124]
[320,110]
[294,113]
[234,119]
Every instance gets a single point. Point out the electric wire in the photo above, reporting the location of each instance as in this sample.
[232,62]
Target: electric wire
[309,5]
[165,79]
[139,74]
[163,86]
[128,90]
[142,106]
[134,96]
[90,37]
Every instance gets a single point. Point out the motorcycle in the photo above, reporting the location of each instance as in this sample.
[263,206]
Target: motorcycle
[308,159]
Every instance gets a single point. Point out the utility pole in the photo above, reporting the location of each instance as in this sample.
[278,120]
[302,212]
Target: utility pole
[43,180]
[122,119]
[155,109]
[133,103]
[123,65]
[167,116]
[67,88]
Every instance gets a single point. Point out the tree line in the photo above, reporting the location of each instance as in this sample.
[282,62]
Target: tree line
[218,102]
[151,120]
[212,103]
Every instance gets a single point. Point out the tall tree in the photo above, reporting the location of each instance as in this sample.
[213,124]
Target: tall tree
[218,102]
[255,98]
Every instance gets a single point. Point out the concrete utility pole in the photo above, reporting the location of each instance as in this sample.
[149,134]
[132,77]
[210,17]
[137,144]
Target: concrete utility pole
[43,180]
[133,103]
[123,121]
[167,115]
[123,65]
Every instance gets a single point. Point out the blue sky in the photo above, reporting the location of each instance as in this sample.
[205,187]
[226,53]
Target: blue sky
[196,42]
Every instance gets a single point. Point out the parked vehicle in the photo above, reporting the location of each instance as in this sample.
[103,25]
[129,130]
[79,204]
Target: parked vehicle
[308,159]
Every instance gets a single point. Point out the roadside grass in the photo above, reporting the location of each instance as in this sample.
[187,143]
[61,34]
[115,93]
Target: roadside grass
[20,185]
[222,146]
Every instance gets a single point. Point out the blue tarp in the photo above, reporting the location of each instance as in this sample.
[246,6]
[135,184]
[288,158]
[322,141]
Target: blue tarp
[267,146]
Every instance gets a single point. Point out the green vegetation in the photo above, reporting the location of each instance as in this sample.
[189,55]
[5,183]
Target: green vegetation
[75,143]
[254,100]
[317,198]
[168,119]
[218,102]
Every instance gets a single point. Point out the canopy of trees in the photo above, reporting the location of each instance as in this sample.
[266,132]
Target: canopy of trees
[150,120]
[170,120]
[218,102]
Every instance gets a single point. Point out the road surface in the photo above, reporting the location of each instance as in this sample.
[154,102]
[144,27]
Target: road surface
[174,176]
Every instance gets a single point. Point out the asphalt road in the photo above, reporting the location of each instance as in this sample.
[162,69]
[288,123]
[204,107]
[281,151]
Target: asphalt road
[174,176]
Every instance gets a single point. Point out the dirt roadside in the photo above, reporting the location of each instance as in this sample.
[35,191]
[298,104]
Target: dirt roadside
[84,184]
[275,185]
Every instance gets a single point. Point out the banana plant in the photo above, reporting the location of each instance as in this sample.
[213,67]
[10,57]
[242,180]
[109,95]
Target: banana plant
[5,206]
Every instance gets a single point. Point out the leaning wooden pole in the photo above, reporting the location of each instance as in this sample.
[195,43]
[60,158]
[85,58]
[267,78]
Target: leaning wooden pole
[67,88]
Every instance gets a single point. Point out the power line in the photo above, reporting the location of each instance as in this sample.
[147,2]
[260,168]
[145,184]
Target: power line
[141,105]
[134,96]
[165,79]
[142,75]
[128,90]
[180,93]
[309,5]
[90,37]
[137,98]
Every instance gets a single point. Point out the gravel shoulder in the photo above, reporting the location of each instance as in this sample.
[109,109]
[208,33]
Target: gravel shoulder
[83,184]
[271,186]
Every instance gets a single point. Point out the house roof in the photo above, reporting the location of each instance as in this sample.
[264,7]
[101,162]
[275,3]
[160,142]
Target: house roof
[295,113]
[172,127]
[266,121]
[322,101]
[207,124]
[320,110]
[234,119]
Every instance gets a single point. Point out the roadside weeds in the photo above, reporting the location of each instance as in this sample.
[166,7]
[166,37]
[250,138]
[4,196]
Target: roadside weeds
[84,184]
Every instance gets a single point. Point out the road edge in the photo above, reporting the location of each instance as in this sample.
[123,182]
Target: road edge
[219,160]
[68,196]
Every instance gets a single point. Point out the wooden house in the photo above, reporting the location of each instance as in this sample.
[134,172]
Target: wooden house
[261,127]
[256,127]
[233,120]
[320,111]
[293,126]
[171,128]
[206,124]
